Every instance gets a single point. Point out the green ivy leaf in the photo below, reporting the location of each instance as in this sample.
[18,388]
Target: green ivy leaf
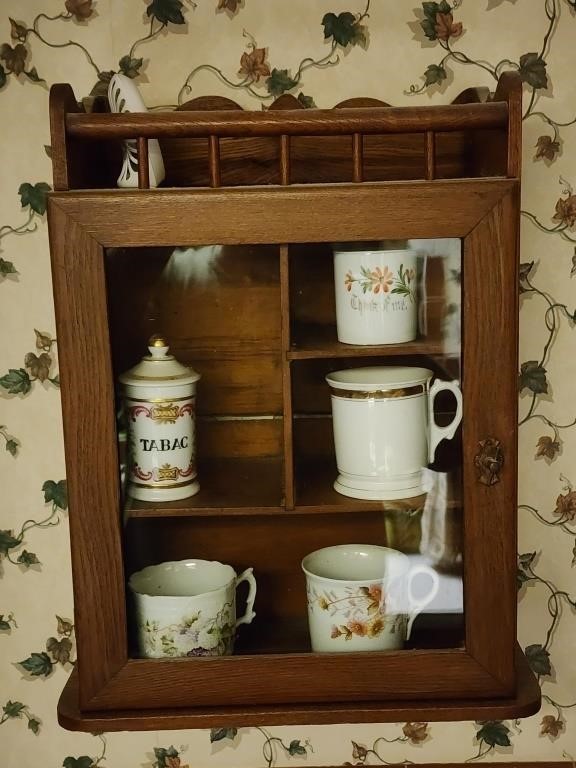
[37,664]
[161,754]
[533,70]
[526,559]
[34,725]
[34,196]
[494,733]
[7,542]
[3,76]
[306,101]
[344,29]
[217,734]
[279,82]
[521,578]
[539,659]
[428,23]
[12,446]
[33,75]
[27,558]
[13,708]
[56,492]
[166,11]
[7,268]
[295,748]
[533,377]
[523,274]
[78,762]
[16,381]
[434,75]
[101,86]
[129,66]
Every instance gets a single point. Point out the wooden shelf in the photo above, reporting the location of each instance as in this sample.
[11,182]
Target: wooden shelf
[321,341]
[525,703]
[315,493]
[253,486]
[234,486]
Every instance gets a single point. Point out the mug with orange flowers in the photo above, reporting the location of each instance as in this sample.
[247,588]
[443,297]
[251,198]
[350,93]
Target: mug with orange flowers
[361,597]
[376,296]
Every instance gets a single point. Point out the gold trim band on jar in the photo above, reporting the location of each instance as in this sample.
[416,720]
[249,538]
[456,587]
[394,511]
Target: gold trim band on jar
[378,394]
[163,485]
[158,399]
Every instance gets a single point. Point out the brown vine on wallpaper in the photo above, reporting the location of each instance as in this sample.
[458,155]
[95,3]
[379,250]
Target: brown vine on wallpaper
[263,74]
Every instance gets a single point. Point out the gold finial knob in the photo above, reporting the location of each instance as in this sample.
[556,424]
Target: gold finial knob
[157,340]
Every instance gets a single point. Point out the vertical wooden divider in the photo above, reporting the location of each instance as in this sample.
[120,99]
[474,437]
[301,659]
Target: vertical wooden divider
[286,336]
[286,377]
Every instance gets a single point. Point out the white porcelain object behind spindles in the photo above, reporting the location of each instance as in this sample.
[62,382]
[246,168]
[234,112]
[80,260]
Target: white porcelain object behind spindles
[124,96]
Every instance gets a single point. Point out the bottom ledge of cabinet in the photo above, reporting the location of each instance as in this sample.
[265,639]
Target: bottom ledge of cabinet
[525,703]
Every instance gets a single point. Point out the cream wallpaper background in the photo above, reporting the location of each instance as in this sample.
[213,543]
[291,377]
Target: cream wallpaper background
[403,52]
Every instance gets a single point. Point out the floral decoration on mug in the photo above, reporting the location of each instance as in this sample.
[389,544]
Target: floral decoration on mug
[383,280]
[194,635]
[361,612]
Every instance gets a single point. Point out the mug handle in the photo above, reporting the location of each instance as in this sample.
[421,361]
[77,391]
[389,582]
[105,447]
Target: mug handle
[442,433]
[417,604]
[248,576]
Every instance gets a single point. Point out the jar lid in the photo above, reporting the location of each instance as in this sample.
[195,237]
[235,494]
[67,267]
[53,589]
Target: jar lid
[381,377]
[159,366]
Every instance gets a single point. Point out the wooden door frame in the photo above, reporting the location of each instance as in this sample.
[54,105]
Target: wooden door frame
[484,212]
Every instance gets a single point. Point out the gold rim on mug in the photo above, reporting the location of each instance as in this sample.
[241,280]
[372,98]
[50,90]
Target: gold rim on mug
[378,394]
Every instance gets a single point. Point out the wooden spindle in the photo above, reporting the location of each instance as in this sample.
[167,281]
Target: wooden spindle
[358,157]
[430,155]
[284,160]
[214,161]
[143,168]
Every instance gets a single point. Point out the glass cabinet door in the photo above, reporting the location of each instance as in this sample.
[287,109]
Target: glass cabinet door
[348,424]
[358,457]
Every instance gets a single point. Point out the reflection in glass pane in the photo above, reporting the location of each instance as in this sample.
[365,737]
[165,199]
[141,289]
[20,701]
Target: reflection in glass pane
[393,308]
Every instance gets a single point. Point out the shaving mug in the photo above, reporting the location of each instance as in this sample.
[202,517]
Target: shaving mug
[385,432]
[360,597]
[188,608]
[376,301]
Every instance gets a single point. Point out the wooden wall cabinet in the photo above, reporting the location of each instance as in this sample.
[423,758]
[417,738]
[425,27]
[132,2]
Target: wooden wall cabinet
[275,189]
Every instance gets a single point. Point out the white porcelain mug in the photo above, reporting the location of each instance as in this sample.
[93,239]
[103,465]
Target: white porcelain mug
[361,597]
[376,296]
[188,608]
[385,431]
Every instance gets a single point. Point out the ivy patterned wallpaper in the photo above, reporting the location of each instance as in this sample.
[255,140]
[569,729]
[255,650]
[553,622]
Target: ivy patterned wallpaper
[322,52]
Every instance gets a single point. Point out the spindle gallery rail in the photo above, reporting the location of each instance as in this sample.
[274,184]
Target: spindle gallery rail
[355,118]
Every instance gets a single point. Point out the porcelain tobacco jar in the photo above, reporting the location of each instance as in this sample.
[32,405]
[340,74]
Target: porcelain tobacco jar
[159,400]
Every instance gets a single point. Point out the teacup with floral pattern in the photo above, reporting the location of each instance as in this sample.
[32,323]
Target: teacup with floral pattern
[360,597]
[188,608]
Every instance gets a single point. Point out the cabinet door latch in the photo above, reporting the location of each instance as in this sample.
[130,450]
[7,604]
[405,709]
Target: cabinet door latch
[489,461]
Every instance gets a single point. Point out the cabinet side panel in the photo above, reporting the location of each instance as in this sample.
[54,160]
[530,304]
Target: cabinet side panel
[91,455]
[490,432]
